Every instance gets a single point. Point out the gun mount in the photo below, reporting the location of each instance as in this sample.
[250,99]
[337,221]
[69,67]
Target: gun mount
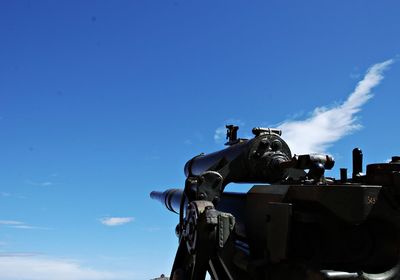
[293,224]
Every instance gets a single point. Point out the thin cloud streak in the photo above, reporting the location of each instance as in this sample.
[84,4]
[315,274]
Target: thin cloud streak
[10,223]
[116,221]
[40,184]
[326,126]
[29,227]
[31,267]
[20,225]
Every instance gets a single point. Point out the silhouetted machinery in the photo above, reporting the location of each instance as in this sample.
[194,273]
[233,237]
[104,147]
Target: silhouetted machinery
[294,224]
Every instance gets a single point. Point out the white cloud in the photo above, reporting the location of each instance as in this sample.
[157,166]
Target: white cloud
[220,134]
[29,227]
[116,221]
[19,225]
[10,223]
[33,267]
[325,126]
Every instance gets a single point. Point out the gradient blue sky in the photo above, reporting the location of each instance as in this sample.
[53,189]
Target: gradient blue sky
[103,101]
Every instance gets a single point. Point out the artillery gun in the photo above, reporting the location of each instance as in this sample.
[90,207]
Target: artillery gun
[293,224]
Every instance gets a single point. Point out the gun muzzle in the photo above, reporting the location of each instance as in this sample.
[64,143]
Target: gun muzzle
[170,198]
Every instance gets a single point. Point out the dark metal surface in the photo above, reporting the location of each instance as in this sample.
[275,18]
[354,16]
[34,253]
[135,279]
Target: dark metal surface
[255,160]
[303,226]
[170,198]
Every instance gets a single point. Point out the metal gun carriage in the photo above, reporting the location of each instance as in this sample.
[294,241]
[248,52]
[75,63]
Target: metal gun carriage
[293,224]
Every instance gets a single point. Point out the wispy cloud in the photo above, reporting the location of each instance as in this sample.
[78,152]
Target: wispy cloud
[40,184]
[116,221]
[10,223]
[327,125]
[220,134]
[18,254]
[11,195]
[33,267]
[30,227]
[20,225]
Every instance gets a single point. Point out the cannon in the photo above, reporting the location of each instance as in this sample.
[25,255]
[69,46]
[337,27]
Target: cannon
[294,223]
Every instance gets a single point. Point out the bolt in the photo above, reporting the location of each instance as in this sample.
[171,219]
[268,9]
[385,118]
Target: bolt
[202,196]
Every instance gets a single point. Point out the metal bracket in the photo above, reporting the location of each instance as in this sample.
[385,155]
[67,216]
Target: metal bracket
[226,223]
[209,186]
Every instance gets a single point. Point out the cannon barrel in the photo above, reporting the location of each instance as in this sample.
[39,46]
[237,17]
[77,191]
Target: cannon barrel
[231,202]
[170,198]
[257,160]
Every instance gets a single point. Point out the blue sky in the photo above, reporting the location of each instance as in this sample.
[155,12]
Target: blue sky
[103,101]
